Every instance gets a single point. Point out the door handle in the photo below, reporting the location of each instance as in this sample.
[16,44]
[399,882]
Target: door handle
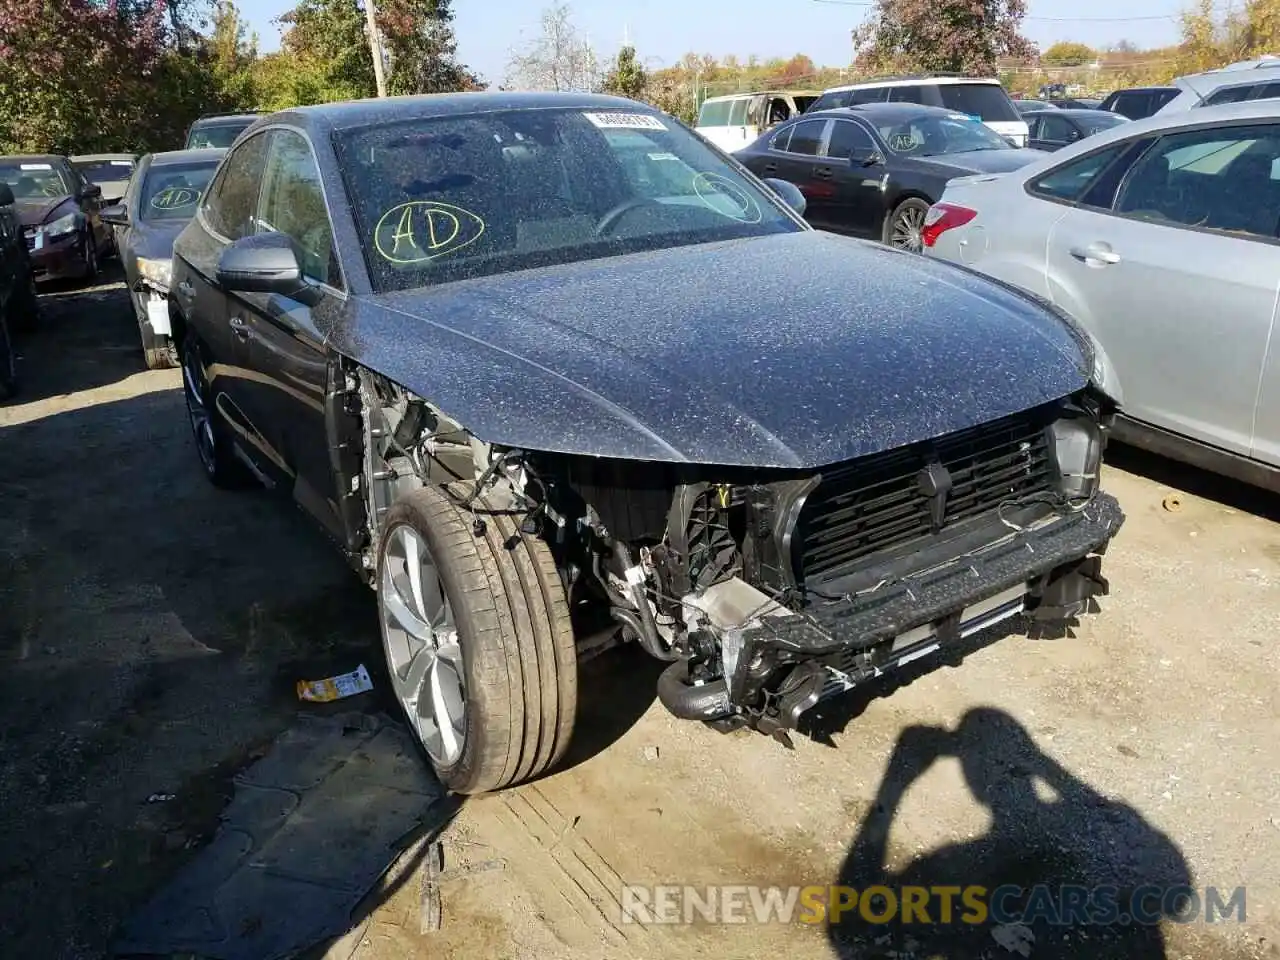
[770,168]
[823,173]
[1099,254]
[240,328]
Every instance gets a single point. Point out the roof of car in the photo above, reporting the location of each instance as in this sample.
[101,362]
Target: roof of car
[186,156]
[904,80]
[1154,89]
[356,113]
[95,157]
[1084,113]
[33,157]
[771,92]
[213,119]
[892,112]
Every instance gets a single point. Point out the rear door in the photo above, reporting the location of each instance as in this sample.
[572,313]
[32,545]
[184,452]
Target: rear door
[1178,279]
[226,215]
[288,366]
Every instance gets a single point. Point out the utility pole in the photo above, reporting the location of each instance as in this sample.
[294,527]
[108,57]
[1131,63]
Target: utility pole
[375,46]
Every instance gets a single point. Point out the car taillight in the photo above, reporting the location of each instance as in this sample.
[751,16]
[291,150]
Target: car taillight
[943,217]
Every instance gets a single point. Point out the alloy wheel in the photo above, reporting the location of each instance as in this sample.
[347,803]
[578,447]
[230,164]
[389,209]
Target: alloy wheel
[197,410]
[420,639]
[908,230]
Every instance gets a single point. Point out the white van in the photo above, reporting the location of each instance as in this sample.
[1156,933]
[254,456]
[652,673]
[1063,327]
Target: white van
[982,98]
[735,120]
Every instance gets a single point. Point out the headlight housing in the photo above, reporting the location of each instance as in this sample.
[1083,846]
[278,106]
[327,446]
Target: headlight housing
[1075,451]
[61,227]
[158,272]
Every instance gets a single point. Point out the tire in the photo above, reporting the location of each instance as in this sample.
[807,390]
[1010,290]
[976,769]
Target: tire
[25,315]
[8,363]
[506,613]
[213,444]
[90,257]
[909,216]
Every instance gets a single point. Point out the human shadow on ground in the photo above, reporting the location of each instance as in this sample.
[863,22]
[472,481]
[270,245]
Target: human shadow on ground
[1053,840]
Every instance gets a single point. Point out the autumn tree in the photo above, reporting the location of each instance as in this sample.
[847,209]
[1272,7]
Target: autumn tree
[965,36]
[422,48]
[626,77]
[1067,53]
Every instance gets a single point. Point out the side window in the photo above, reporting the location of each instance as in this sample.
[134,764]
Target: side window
[909,94]
[714,113]
[738,113]
[779,142]
[230,203]
[293,204]
[867,95]
[1228,95]
[806,137]
[1057,129]
[847,139]
[1131,105]
[829,101]
[1219,179]
[1071,180]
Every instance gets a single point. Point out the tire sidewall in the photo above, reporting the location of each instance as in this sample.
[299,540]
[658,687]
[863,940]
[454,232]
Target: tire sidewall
[408,512]
[191,355]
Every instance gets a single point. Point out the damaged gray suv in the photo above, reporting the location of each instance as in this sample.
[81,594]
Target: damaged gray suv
[556,375]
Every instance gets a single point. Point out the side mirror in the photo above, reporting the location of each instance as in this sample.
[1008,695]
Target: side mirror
[263,263]
[117,215]
[789,193]
[6,195]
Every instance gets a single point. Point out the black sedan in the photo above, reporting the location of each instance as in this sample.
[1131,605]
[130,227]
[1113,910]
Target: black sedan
[162,197]
[555,376]
[1055,129]
[59,210]
[874,169]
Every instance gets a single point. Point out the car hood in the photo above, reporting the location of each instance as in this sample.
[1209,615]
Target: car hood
[793,350]
[37,211]
[987,161]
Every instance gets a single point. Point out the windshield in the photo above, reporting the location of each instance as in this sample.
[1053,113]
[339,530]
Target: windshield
[105,171]
[218,134]
[454,197]
[36,180]
[171,191]
[936,136]
[1102,121]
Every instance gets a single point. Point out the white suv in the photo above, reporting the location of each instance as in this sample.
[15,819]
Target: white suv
[979,97]
[1235,83]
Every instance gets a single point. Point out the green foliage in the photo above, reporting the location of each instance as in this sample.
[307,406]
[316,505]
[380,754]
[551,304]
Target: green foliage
[1066,53]
[966,36]
[626,78]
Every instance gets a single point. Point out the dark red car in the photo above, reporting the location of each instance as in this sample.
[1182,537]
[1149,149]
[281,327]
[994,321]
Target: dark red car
[58,209]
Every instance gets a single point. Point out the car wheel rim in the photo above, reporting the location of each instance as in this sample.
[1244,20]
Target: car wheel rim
[420,639]
[201,423]
[908,227]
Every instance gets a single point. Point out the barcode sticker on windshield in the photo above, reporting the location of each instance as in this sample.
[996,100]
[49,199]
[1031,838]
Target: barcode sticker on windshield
[37,166]
[121,163]
[625,121]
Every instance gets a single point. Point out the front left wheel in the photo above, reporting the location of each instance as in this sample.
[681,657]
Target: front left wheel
[8,362]
[478,641]
[207,428]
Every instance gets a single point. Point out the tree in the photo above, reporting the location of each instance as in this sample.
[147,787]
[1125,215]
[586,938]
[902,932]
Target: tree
[422,47]
[966,36]
[330,50]
[232,55]
[1066,53]
[626,78]
[557,60]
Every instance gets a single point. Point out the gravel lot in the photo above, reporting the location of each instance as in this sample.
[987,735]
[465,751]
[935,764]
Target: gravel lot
[152,630]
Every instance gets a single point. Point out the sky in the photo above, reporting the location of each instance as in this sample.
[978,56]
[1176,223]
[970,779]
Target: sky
[664,30]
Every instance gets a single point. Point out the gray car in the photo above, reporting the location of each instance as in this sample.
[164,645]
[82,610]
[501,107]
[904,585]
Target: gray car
[161,199]
[110,171]
[1162,238]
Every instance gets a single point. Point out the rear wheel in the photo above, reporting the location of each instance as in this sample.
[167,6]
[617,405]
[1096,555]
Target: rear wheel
[478,642]
[904,228]
[8,362]
[212,443]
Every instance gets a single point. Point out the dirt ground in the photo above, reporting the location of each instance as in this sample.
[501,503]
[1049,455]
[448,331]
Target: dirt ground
[151,630]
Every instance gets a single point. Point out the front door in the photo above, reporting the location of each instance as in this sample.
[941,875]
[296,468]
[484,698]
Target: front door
[288,364]
[1179,279]
[857,203]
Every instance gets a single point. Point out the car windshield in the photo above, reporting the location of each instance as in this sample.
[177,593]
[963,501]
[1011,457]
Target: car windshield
[935,136]
[171,191]
[217,134]
[986,101]
[35,179]
[454,197]
[1103,121]
[105,171]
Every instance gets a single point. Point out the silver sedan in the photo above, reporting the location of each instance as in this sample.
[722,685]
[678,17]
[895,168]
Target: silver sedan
[1162,239]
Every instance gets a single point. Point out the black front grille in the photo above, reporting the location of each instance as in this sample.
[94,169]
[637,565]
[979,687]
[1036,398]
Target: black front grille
[868,505]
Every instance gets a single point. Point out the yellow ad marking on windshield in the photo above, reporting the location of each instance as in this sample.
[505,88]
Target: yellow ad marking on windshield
[174,198]
[726,198]
[423,230]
